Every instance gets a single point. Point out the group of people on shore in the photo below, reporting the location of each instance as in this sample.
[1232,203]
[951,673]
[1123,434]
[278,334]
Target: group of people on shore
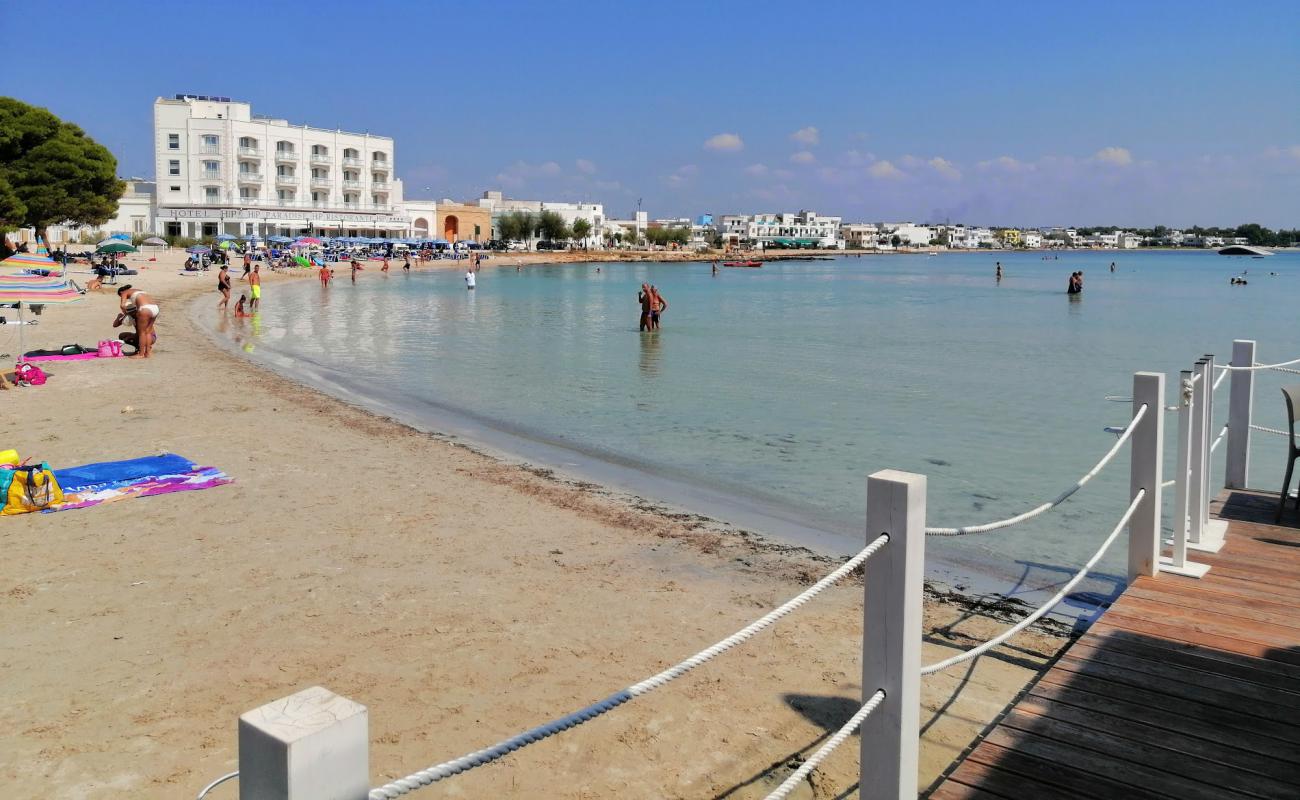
[244,307]
[653,305]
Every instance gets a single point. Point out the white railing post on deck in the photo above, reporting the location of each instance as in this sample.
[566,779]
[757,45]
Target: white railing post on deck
[1241,397]
[1177,563]
[1146,458]
[1209,431]
[1196,494]
[313,745]
[1206,535]
[891,637]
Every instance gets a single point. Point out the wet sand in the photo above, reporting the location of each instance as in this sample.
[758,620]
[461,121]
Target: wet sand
[460,597]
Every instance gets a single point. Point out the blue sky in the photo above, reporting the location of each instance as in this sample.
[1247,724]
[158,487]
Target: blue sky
[1012,113]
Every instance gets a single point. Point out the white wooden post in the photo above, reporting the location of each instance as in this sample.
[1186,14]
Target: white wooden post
[1208,535]
[891,638]
[1196,496]
[1241,398]
[1146,450]
[313,745]
[1177,563]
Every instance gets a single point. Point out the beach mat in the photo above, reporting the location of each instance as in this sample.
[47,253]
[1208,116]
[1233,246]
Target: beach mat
[111,481]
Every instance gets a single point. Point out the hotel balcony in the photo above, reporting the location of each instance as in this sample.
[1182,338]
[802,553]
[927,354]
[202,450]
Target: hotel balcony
[210,174]
[250,177]
[286,155]
[380,166]
[379,186]
[286,180]
[252,152]
[321,182]
[351,184]
[321,158]
[210,149]
[351,162]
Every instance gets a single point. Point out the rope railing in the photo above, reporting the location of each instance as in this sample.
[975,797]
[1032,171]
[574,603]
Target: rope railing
[1046,607]
[1257,366]
[503,748]
[229,776]
[1254,427]
[1218,381]
[1048,506]
[1286,369]
[800,775]
[1219,438]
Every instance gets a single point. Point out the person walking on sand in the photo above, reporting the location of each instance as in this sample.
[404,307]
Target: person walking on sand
[247,269]
[646,299]
[223,286]
[658,305]
[255,287]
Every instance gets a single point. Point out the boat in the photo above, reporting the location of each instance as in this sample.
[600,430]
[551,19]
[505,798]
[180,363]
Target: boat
[742,263]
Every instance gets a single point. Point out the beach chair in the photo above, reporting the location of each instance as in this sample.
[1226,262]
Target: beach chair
[1292,396]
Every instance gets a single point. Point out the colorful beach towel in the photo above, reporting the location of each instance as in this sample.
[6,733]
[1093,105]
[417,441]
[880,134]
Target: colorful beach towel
[111,481]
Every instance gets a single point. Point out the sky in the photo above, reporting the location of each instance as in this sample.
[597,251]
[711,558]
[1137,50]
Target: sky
[1030,114]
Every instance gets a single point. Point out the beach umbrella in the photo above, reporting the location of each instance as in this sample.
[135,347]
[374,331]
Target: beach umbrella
[26,262]
[302,262]
[279,239]
[31,290]
[226,245]
[115,247]
[198,250]
[156,241]
[308,240]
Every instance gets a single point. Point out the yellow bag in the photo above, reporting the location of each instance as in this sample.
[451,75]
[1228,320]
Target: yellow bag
[31,489]
[9,457]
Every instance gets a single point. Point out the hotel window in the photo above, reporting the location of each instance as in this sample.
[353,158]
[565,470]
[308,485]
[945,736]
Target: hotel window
[318,172]
[211,141]
[174,188]
[211,169]
[173,229]
[374,198]
[285,194]
[319,150]
[173,167]
[319,197]
[247,193]
[248,142]
[284,171]
[211,194]
[173,141]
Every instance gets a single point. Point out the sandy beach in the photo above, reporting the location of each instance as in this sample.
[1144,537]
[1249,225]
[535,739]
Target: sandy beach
[460,598]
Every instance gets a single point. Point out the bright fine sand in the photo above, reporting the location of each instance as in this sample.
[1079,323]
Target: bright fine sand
[460,598]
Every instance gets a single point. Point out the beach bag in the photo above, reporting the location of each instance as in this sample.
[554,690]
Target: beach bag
[31,489]
[106,348]
[29,374]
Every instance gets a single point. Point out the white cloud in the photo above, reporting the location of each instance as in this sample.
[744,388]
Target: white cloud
[808,136]
[725,143]
[756,170]
[586,167]
[549,168]
[803,157]
[945,168]
[682,175]
[911,161]
[1118,156]
[885,170]
[521,172]
[1004,163]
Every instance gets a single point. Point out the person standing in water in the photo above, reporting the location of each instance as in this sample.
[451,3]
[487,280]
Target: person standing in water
[1112,266]
[999,273]
[646,299]
[469,279]
[255,288]
[658,305]
[355,268]
[223,286]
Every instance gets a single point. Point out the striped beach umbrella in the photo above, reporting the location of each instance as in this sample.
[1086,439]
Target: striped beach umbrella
[33,290]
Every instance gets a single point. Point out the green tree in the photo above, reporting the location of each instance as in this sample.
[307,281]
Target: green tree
[516,226]
[581,229]
[552,226]
[53,170]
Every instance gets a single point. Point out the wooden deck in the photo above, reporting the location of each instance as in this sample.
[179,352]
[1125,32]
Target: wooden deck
[1184,688]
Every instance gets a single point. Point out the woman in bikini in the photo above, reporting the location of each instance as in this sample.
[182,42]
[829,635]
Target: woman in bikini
[138,305]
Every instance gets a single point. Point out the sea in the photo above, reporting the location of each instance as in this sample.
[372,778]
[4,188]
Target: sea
[770,394]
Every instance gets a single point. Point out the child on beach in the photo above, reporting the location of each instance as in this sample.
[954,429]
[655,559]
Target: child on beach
[239,307]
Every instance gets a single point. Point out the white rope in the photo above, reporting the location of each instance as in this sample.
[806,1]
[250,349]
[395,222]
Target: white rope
[1269,430]
[1219,438]
[228,776]
[1046,607]
[503,748]
[798,776]
[1218,381]
[1286,369]
[1168,483]
[1258,366]
[1061,498]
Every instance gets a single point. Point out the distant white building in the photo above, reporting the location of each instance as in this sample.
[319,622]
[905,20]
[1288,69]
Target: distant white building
[860,235]
[593,213]
[1129,241]
[801,229]
[1031,239]
[219,169]
[909,235]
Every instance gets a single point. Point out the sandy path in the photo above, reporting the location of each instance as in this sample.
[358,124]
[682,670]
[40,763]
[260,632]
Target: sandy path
[459,598]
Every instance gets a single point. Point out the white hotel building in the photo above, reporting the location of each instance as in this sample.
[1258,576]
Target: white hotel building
[221,170]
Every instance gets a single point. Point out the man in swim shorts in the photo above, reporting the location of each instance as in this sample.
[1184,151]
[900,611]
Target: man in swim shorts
[255,287]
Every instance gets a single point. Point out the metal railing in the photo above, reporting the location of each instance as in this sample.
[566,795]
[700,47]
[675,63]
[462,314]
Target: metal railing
[252,152]
[286,155]
[250,177]
[321,158]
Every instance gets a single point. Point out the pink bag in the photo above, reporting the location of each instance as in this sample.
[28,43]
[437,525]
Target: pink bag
[106,348]
[28,374]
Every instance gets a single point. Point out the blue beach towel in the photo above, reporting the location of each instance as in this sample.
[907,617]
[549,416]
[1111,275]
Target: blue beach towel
[91,476]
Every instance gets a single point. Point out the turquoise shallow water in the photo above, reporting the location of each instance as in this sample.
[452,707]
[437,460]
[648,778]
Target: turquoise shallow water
[781,388]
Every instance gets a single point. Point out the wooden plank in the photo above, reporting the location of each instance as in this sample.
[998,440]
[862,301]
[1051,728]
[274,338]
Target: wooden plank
[1275,778]
[1175,690]
[1175,614]
[1205,599]
[1010,784]
[954,790]
[1129,773]
[1067,779]
[1207,635]
[1280,676]
[1158,672]
[1151,753]
[1230,718]
[1286,753]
